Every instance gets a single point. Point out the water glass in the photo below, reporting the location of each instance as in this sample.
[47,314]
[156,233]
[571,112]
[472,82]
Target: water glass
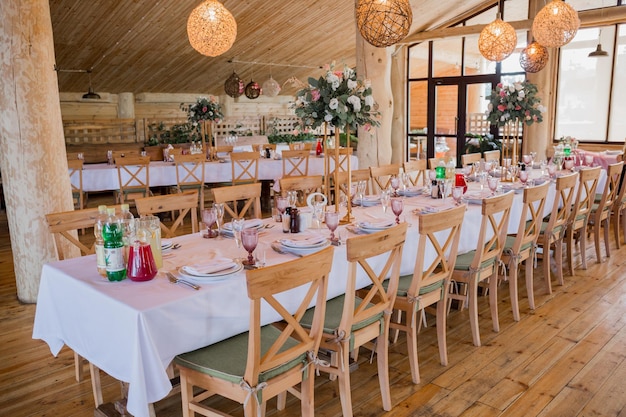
[237,225]
[332,221]
[292,198]
[219,210]
[493,184]
[552,170]
[318,213]
[523,177]
[526,159]
[395,184]
[209,218]
[385,197]
[457,194]
[281,206]
[397,205]
[249,239]
[360,190]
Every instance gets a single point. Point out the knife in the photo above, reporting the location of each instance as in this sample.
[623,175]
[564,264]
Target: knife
[174,280]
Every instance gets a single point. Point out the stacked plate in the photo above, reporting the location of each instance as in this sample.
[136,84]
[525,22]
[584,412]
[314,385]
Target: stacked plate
[166,245]
[476,197]
[411,191]
[368,201]
[248,224]
[215,270]
[375,226]
[303,245]
[516,187]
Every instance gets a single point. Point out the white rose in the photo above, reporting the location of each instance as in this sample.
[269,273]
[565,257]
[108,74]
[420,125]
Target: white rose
[328,117]
[541,108]
[369,101]
[367,83]
[356,103]
[347,72]
[511,88]
[490,107]
[352,84]
[521,95]
[333,104]
[518,86]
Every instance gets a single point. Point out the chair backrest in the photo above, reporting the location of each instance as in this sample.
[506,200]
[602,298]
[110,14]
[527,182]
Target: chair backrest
[531,218]
[224,149]
[416,171]
[561,206]
[493,228]
[307,185]
[126,154]
[63,226]
[611,188]
[231,195]
[263,285]
[585,196]
[300,146]
[186,202]
[344,156]
[190,170]
[381,176]
[433,162]
[295,163]
[375,299]
[362,175]
[245,167]
[75,169]
[134,177]
[439,235]
[470,158]
[492,155]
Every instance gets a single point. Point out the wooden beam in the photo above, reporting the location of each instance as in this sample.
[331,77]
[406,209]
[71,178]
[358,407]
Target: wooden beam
[588,18]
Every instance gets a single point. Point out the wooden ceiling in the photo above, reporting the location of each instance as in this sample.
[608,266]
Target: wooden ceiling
[141,45]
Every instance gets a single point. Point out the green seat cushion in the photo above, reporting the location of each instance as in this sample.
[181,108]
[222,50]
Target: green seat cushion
[510,240]
[405,283]
[464,261]
[227,359]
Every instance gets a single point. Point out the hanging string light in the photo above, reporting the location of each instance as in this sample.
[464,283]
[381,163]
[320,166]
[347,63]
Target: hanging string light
[534,57]
[497,40]
[211,28]
[556,24]
[383,22]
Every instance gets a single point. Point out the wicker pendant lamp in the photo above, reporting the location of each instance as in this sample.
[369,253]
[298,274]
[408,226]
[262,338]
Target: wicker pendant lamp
[271,88]
[383,22]
[233,86]
[497,40]
[253,90]
[534,57]
[211,28]
[556,24]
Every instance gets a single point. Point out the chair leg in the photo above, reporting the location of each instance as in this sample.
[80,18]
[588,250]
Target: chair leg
[345,394]
[382,360]
[411,341]
[493,300]
[442,340]
[558,257]
[78,367]
[530,291]
[513,291]
[583,248]
[473,309]
[607,222]
[623,223]
[617,214]
[186,394]
[596,240]
[306,395]
[96,386]
[569,246]
[546,267]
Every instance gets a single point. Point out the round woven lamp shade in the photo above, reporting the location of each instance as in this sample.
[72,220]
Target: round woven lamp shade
[556,24]
[211,28]
[497,40]
[534,57]
[253,90]
[233,86]
[383,22]
[271,88]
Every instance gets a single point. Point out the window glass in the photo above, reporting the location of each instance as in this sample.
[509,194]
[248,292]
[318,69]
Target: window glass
[590,4]
[418,61]
[418,106]
[447,57]
[617,123]
[475,63]
[511,63]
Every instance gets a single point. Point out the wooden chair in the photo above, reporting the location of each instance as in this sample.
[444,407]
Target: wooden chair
[430,282]
[619,219]
[250,194]
[134,177]
[224,149]
[601,211]
[305,185]
[362,175]
[381,176]
[257,365]
[190,174]
[245,167]
[553,230]
[492,155]
[295,163]
[470,158]
[64,226]
[75,168]
[433,162]
[520,247]
[303,146]
[417,172]
[126,154]
[481,264]
[579,218]
[184,203]
[353,321]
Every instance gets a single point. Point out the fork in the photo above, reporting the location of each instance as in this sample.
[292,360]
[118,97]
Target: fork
[277,249]
[175,280]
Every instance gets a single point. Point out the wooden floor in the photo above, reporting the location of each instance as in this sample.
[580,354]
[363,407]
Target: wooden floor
[567,358]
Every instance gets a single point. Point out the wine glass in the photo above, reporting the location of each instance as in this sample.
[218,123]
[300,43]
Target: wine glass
[395,184]
[209,217]
[526,159]
[360,190]
[493,184]
[237,224]
[483,180]
[397,205]
[281,206]
[523,177]
[384,199]
[533,156]
[219,211]
[332,221]
[249,239]
[457,194]
[568,164]
[292,198]
[552,170]
[444,187]
[318,213]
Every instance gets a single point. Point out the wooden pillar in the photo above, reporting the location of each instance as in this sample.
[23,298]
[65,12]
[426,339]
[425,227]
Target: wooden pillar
[399,144]
[32,148]
[126,106]
[374,64]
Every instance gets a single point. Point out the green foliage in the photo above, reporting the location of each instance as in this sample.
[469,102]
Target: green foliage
[289,138]
[475,143]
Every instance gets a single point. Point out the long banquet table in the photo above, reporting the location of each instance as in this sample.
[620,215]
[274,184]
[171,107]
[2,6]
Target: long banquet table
[133,330]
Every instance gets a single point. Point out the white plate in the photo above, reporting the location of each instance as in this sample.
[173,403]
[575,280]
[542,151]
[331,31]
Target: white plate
[217,276]
[248,224]
[318,242]
[300,251]
[368,201]
[166,244]
[375,227]
[411,192]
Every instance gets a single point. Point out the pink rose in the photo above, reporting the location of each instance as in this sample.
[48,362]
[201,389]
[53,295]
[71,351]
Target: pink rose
[501,107]
[367,127]
[315,95]
[502,93]
[204,109]
[338,74]
[517,107]
[535,118]
[527,113]
[499,85]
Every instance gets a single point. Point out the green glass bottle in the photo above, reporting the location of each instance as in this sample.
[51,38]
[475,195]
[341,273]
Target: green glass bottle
[113,233]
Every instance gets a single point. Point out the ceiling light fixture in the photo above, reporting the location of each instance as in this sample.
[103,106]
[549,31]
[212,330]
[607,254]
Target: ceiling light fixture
[534,57]
[233,86]
[91,95]
[556,24]
[211,28]
[383,22]
[497,40]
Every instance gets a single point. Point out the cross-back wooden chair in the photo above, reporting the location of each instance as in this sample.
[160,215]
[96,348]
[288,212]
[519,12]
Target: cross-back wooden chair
[126,154]
[305,185]
[353,321]
[224,149]
[416,170]
[469,159]
[75,168]
[245,167]
[492,155]
[619,219]
[433,162]
[303,146]
[579,217]
[553,230]
[381,176]
[344,155]
[133,174]
[295,163]
[190,174]
[520,247]
[184,203]
[64,227]
[249,194]
[257,365]
[481,264]
[601,211]
[429,284]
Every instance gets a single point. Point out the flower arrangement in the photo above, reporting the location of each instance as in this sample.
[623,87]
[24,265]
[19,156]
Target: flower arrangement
[337,98]
[515,102]
[476,143]
[203,109]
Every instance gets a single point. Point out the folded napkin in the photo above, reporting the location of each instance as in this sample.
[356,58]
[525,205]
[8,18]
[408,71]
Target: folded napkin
[211,267]
[248,224]
[303,241]
[380,224]
[242,148]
